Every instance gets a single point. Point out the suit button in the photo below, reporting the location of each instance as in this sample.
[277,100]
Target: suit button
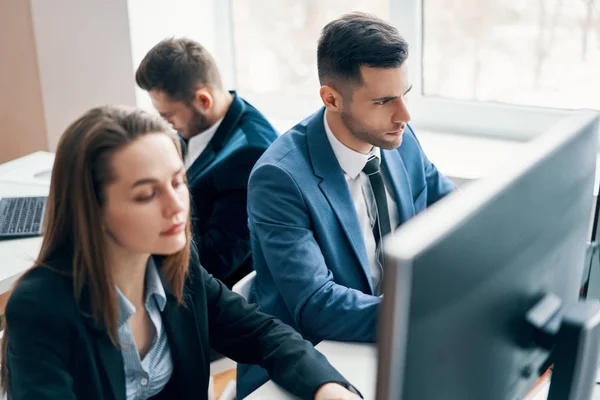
[143,381]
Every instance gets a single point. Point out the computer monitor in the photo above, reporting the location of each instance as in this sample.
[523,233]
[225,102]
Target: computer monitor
[590,283]
[482,286]
[595,220]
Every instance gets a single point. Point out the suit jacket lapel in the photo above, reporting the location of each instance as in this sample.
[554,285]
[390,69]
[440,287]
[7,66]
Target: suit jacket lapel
[334,187]
[396,171]
[229,123]
[112,362]
[224,132]
[185,345]
[109,354]
[203,160]
[183,336]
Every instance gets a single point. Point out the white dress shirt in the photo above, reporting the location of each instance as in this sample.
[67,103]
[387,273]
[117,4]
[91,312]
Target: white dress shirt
[145,377]
[198,143]
[352,163]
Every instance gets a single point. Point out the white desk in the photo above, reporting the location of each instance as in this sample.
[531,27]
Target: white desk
[32,169]
[17,255]
[358,364]
[25,176]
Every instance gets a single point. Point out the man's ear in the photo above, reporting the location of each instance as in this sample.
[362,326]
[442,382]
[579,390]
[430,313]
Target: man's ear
[332,99]
[203,99]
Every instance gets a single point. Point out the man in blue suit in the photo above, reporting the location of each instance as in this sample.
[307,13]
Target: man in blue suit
[223,136]
[323,196]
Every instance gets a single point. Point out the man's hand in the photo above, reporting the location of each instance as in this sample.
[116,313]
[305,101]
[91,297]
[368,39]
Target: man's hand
[334,391]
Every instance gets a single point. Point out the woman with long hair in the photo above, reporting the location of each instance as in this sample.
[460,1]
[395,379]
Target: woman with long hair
[117,305]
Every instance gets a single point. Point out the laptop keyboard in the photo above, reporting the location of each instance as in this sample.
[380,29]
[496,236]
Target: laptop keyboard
[22,216]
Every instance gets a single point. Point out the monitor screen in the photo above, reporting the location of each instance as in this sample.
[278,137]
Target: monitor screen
[461,276]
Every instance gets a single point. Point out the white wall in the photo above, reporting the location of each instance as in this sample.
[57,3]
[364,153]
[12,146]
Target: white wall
[84,58]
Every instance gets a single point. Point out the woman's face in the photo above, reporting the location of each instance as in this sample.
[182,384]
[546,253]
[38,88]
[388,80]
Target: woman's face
[146,206]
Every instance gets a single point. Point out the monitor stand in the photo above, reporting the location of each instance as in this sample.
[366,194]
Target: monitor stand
[572,335]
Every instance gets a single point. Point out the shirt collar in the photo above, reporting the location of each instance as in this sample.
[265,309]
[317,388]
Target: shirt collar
[352,162]
[199,142]
[154,289]
[154,286]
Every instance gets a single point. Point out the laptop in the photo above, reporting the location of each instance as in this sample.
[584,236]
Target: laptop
[21,217]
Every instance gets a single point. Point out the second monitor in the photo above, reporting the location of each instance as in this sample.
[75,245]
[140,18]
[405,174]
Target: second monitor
[463,279]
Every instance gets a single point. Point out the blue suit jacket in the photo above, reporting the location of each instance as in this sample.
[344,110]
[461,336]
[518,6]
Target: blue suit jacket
[218,181]
[308,248]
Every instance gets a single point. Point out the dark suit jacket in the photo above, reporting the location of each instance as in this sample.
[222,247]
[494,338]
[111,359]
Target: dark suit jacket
[218,182]
[56,352]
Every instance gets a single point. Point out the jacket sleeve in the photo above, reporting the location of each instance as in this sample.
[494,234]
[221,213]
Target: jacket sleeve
[241,332]
[321,308]
[224,244]
[39,347]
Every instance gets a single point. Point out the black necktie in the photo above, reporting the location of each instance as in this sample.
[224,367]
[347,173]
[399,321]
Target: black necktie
[382,225]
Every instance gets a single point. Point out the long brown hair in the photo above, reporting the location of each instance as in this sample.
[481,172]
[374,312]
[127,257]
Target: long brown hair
[73,219]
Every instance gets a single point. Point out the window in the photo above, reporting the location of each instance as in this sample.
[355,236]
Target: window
[275,47]
[538,52]
[205,21]
[504,68]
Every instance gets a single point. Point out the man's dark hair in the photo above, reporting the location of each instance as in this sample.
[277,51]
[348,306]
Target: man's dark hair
[355,40]
[177,67]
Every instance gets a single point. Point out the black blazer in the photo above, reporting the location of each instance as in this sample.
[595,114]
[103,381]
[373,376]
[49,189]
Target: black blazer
[56,352]
[218,181]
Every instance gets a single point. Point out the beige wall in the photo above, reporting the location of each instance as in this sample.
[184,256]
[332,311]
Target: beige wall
[58,59]
[22,126]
